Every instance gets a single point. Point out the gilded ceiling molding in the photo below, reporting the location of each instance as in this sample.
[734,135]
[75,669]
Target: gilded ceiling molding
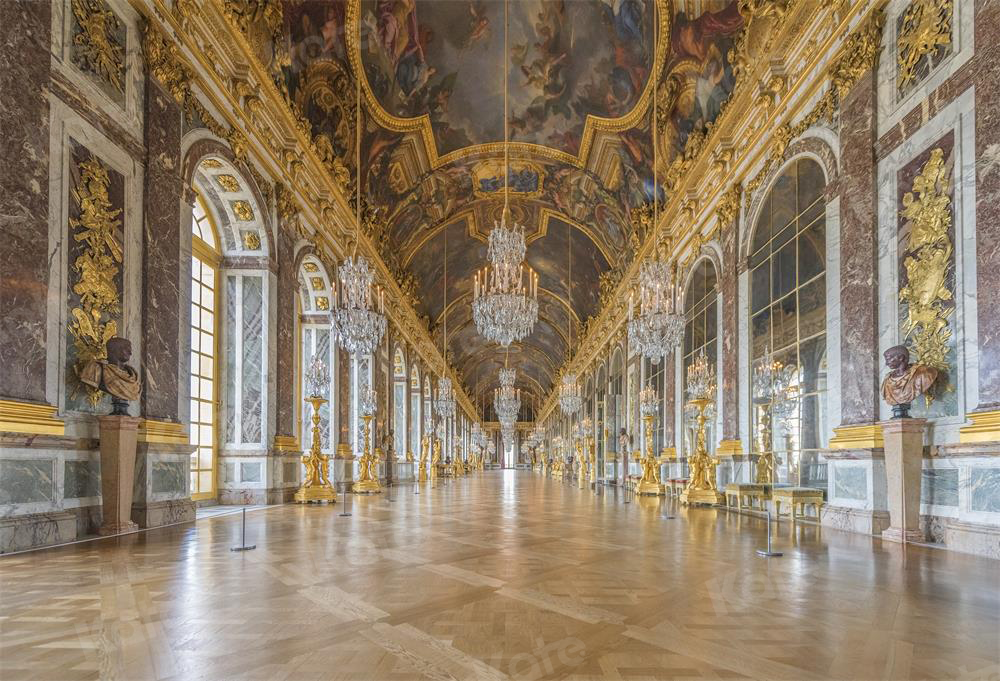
[422,124]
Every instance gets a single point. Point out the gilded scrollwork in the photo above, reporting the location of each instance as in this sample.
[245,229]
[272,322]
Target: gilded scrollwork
[924,31]
[96,268]
[926,295]
[97,42]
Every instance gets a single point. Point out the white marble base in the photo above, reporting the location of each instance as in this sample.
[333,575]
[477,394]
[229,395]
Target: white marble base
[853,519]
[37,529]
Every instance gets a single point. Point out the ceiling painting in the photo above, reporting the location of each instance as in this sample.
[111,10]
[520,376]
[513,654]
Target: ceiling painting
[580,163]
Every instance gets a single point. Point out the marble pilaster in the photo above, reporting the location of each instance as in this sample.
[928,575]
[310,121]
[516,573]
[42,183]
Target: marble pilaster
[285,333]
[987,83]
[859,340]
[162,259]
[669,399]
[343,387]
[729,290]
[24,197]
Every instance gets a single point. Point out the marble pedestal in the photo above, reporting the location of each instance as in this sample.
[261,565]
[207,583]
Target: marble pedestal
[118,440]
[904,453]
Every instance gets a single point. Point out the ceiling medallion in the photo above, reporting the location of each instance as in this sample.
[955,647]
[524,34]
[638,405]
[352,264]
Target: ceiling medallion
[504,305]
[359,327]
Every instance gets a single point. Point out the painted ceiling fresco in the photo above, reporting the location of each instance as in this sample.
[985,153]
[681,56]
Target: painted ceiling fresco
[568,59]
[433,111]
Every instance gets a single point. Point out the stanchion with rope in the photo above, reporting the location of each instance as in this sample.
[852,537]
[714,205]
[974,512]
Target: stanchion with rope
[769,553]
[243,542]
[347,503]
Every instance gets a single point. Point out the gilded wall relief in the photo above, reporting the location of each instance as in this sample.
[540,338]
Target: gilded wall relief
[95,262]
[927,276]
[98,45]
[923,40]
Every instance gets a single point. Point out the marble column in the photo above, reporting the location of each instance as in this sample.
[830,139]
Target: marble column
[987,81]
[164,285]
[729,371]
[859,374]
[24,197]
[287,290]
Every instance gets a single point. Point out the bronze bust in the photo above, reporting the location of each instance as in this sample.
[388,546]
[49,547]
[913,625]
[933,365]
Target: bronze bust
[905,382]
[114,376]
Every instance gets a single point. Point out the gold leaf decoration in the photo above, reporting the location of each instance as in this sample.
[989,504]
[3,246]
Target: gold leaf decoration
[242,210]
[164,62]
[322,303]
[95,268]
[310,267]
[211,164]
[317,283]
[97,44]
[928,264]
[251,240]
[228,183]
[925,30]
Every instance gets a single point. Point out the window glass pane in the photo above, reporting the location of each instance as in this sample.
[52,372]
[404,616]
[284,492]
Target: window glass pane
[812,250]
[812,356]
[783,270]
[812,308]
[760,288]
[711,320]
[205,409]
[783,201]
[760,333]
[811,182]
[762,232]
[208,298]
[783,323]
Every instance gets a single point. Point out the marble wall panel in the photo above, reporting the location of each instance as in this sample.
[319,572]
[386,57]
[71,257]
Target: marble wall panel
[230,332]
[859,374]
[939,487]
[162,253]
[252,364]
[251,472]
[27,481]
[850,482]
[228,472]
[168,477]
[285,332]
[729,289]
[987,122]
[24,198]
[290,472]
[81,478]
[984,490]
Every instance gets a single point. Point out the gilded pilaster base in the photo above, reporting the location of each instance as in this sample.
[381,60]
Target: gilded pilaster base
[985,427]
[367,487]
[317,493]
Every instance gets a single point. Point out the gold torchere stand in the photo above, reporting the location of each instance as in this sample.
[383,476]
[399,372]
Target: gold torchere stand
[650,482]
[701,487]
[593,458]
[422,465]
[765,458]
[316,486]
[581,466]
[367,482]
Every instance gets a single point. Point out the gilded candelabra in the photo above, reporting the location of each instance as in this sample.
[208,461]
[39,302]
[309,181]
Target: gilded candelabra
[650,482]
[316,486]
[422,464]
[701,487]
[368,464]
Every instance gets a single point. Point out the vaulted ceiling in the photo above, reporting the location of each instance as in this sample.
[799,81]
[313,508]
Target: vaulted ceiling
[580,92]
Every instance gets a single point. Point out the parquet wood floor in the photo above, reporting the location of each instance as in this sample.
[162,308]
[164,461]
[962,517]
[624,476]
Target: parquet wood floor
[501,575]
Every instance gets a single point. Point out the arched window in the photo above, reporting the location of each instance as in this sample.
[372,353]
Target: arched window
[700,328]
[415,421]
[399,389]
[205,259]
[788,325]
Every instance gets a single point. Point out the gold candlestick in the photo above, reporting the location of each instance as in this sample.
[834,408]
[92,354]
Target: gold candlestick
[367,465]
[701,487]
[316,486]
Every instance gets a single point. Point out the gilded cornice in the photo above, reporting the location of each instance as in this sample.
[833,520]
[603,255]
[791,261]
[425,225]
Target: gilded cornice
[851,32]
[199,54]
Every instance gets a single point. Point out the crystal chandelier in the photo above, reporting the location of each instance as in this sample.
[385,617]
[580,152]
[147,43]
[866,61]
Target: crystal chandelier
[358,326]
[505,302]
[444,401]
[648,401]
[570,399]
[507,399]
[659,328]
[317,377]
[367,401]
[701,379]
[586,426]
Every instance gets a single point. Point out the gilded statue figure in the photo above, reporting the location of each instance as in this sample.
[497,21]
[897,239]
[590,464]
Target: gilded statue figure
[114,376]
[905,382]
[424,447]
[436,458]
